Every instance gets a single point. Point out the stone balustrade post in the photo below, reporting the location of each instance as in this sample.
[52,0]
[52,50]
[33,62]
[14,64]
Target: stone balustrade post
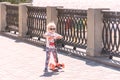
[23,28]
[51,14]
[3,15]
[94,35]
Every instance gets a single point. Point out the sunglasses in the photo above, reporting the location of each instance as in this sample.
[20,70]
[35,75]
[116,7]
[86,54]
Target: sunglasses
[52,28]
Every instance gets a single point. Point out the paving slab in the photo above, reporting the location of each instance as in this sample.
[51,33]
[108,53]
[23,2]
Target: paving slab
[23,61]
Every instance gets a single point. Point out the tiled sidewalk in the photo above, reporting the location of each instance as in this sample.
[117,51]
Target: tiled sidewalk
[22,61]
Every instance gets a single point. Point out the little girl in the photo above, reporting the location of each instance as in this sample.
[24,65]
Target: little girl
[51,36]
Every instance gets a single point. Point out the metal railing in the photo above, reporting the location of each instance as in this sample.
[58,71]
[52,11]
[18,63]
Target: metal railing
[72,24]
[36,22]
[111,33]
[12,18]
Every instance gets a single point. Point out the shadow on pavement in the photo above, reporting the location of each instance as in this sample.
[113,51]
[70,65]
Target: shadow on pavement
[92,62]
[49,74]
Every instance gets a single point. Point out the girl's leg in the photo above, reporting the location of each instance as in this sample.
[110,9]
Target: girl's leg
[55,56]
[47,59]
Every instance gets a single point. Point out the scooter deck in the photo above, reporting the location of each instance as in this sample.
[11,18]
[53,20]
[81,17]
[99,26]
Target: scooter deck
[56,68]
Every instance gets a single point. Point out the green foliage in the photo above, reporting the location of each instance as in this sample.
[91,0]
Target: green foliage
[14,1]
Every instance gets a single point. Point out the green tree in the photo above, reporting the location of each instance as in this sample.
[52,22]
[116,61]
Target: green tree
[14,1]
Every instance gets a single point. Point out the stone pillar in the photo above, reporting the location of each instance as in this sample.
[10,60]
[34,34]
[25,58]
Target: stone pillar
[94,33]
[23,28]
[51,14]
[3,15]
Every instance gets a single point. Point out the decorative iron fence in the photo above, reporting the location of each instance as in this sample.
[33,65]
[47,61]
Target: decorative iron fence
[12,19]
[72,24]
[36,22]
[111,33]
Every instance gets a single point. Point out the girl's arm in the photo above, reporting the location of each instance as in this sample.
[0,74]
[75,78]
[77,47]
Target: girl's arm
[47,36]
[59,36]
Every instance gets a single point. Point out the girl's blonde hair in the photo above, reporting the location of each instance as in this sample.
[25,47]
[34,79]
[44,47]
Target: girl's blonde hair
[51,24]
